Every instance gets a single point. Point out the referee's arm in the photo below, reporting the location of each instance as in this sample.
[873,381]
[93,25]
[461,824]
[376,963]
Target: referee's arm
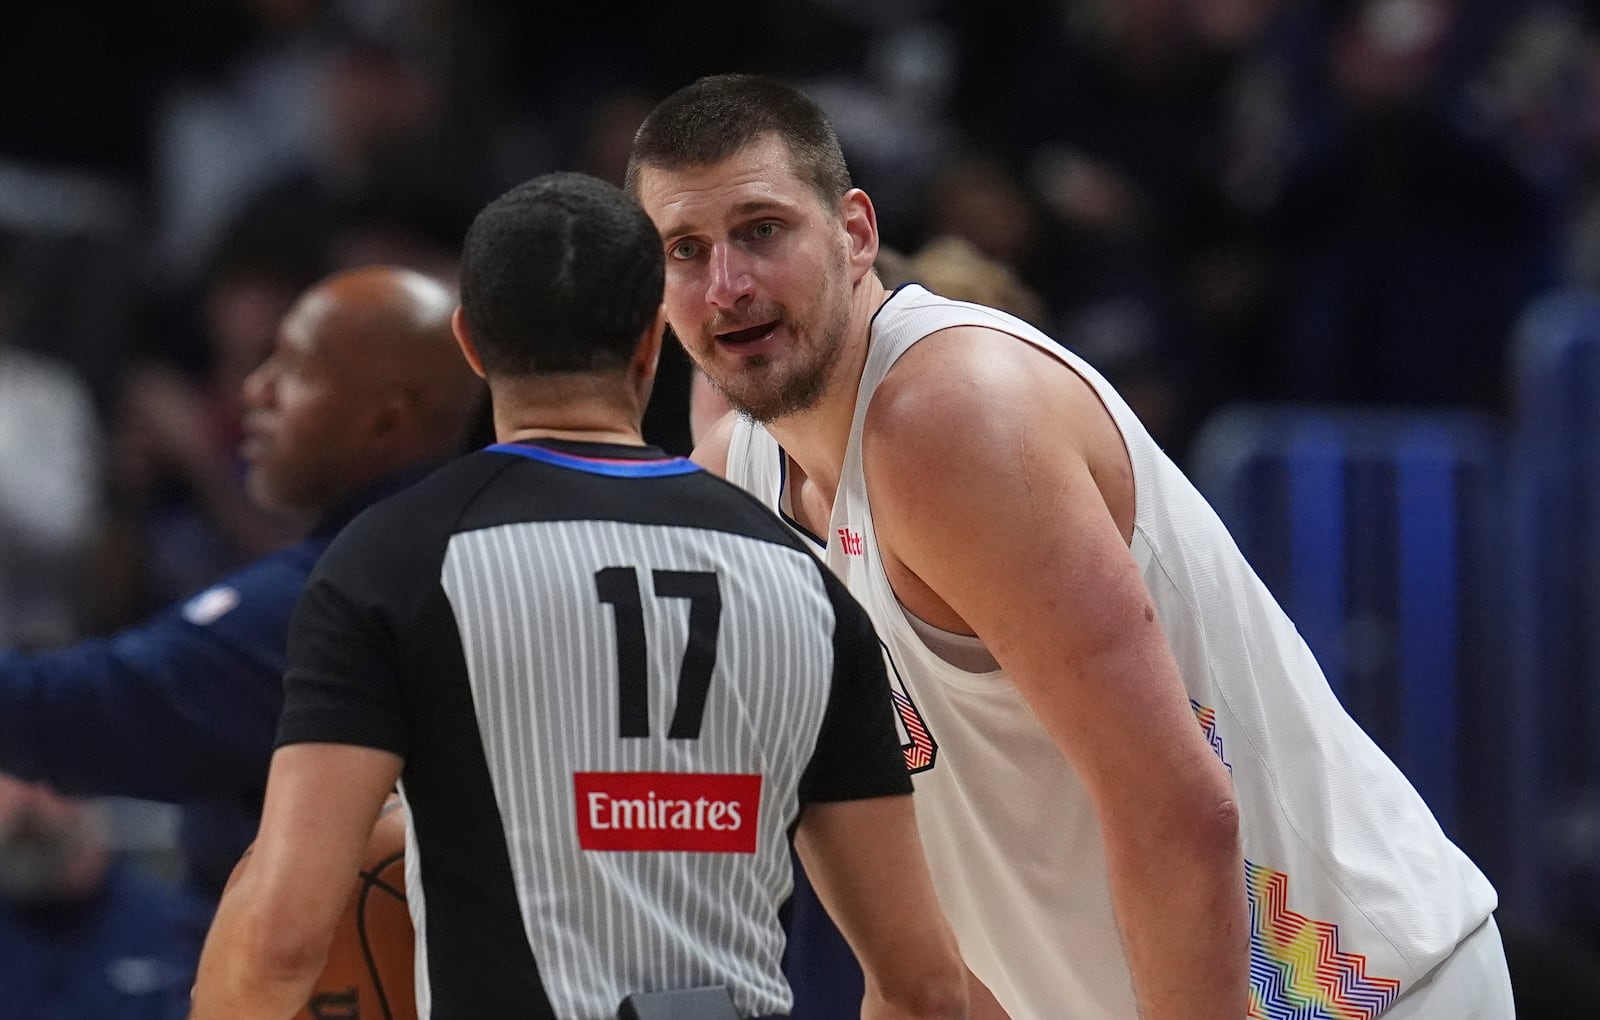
[865,860]
[269,940]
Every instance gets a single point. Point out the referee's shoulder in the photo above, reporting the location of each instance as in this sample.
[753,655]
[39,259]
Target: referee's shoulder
[737,509]
[430,504]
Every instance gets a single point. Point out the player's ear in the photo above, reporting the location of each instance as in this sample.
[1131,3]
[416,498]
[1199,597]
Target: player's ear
[861,226]
[458,326]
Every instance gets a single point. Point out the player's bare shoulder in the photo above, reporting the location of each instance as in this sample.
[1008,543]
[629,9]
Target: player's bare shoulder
[967,403]
[975,378]
[711,452]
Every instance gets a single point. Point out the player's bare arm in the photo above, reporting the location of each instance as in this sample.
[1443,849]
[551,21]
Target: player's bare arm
[272,929]
[1003,502]
[865,860]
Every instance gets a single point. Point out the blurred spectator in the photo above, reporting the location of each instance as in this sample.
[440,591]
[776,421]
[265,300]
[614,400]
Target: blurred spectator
[50,507]
[340,103]
[1151,134]
[954,268]
[219,137]
[889,101]
[1539,97]
[1409,246]
[1099,288]
[83,936]
[180,516]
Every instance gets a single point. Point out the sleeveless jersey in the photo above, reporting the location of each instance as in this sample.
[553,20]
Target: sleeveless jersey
[1354,891]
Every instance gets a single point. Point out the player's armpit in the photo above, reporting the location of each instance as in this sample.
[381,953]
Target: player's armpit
[865,860]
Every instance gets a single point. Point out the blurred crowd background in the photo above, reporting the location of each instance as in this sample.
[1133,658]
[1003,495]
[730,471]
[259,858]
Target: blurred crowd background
[1349,204]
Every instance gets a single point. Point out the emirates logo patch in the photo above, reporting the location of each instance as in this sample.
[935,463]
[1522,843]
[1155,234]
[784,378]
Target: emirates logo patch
[701,812]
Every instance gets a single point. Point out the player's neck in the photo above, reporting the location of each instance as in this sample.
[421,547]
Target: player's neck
[818,438]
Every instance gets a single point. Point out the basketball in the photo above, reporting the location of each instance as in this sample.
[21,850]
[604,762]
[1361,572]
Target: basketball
[369,972]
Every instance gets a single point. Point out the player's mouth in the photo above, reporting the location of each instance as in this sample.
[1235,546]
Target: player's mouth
[744,339]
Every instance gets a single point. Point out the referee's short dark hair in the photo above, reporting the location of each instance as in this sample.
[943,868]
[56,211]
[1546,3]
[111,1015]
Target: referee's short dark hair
[563,273]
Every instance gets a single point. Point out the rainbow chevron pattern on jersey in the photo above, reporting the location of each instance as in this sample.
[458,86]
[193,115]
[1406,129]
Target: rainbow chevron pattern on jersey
[1296,969]
[1208,723]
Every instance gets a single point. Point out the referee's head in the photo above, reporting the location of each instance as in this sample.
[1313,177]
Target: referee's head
[561,275]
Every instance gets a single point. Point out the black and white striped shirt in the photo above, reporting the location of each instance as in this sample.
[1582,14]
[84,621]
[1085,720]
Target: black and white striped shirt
[616,681]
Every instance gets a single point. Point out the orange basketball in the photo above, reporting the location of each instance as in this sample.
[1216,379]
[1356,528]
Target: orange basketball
[369,974]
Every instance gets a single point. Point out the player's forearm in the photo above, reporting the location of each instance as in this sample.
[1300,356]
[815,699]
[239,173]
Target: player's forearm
[1180,903]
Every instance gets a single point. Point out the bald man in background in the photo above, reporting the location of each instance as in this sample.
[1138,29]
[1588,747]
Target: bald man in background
[364,393]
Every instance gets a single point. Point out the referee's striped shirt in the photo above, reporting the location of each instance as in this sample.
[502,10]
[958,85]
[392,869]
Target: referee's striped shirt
[615,681]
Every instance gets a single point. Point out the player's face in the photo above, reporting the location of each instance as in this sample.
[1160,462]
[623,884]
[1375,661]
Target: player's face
[758,284]
[302,415]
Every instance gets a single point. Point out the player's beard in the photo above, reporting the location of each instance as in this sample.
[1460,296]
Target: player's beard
[769,396]
[765,392]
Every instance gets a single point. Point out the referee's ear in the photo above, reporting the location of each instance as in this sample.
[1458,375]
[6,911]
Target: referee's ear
[648,354]
[642,368]
[458,326]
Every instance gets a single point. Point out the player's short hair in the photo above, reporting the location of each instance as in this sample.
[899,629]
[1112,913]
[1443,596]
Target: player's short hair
[563,273]
[714,117]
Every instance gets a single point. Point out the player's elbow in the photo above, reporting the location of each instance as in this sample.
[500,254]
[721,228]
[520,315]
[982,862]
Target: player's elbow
[941,1001]
[1198,837]
[1206,830]
[935,992]
[1213,828]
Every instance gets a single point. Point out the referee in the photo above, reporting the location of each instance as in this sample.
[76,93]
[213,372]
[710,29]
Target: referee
[611,687]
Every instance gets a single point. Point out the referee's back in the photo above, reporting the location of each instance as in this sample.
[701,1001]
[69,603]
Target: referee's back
[652,676]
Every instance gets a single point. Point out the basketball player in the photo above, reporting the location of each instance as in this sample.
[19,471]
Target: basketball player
[1138,795]
[611,687]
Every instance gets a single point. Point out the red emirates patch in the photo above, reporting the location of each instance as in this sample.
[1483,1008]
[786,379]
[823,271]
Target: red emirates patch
[709,813]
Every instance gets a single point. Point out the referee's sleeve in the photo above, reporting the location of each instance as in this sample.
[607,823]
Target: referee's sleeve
[858,752]
[342,683]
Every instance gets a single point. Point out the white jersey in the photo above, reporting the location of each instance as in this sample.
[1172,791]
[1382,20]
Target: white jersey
[1354,891]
